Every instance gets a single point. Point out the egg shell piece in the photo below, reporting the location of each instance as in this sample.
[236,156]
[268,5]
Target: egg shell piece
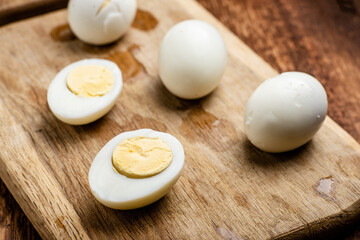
[117,191]
[76,110]
[192,59]
[100,22]
[285,112]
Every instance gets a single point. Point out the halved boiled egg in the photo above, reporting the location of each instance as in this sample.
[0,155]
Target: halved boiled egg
[84,91]
[136,168]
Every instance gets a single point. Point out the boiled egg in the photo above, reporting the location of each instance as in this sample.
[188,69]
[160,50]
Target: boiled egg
[136,168]
[84,91]
[100,22]
[192,59]
[285,112]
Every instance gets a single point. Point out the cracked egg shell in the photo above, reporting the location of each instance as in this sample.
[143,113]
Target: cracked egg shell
[100,22]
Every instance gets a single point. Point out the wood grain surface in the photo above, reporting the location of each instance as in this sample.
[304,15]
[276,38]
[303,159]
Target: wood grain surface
[256,26]
[318,37]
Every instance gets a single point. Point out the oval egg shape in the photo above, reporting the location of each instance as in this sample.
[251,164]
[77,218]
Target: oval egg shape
[100,22]
[192,59]
[77,110]
[285,112]
[118,191]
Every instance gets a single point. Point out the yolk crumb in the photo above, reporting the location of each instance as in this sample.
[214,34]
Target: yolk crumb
[141,157]
[90,81]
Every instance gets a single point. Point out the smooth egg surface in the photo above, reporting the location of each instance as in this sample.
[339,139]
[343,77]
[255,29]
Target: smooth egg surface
[118,191]
[192,59]
[285,112]
[75,109]
[100,22]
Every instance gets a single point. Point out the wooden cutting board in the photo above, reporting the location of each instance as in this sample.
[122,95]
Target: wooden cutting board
[228,188]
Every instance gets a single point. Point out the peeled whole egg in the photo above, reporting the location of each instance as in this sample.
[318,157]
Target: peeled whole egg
[285,112]
[150,162]
[192,59]
[84,91]
[100,22]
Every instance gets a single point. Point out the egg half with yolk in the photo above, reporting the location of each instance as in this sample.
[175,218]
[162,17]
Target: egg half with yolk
[84,91]
[136,168]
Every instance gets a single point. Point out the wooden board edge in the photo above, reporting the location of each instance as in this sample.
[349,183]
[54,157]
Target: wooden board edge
[30,10]
[51,221]
[331,227]
[23,200]
[328,227]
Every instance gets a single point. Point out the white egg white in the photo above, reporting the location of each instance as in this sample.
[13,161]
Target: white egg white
[285,112]
[192,59]
[100,22]
[77,110]
[117,191]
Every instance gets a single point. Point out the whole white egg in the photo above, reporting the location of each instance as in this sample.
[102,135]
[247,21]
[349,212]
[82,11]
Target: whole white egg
[72,108]
[285,112]
[119,191]
[192,59]
[100,22]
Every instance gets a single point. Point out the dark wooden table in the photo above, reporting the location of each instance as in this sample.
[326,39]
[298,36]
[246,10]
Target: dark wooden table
[318,37]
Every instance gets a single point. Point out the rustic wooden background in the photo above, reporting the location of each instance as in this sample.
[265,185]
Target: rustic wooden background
[319,37]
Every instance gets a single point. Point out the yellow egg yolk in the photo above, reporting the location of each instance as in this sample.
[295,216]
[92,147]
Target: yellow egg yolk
[141,157]
[90,81]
